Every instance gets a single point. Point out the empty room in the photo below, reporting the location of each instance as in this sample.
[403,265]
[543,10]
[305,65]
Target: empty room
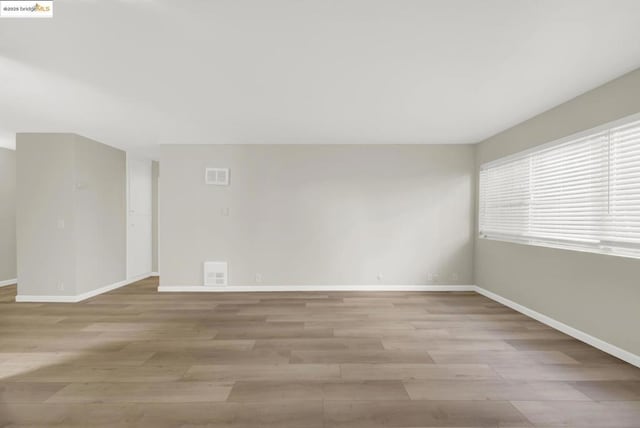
[320,213]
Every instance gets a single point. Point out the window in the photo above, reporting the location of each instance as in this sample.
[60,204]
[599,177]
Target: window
[581,193]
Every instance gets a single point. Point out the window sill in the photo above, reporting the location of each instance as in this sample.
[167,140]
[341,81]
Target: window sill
[602,250]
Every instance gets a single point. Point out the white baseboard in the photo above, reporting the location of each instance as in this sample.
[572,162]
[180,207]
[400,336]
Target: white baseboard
[564,328]
[79,297]
[270,288]
[154,274]
[8,282]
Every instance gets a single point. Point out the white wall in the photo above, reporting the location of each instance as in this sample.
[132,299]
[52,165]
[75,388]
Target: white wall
[319,214]
[7,215]
[598,294]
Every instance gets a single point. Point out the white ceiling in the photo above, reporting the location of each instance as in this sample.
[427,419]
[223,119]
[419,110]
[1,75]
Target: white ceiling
[134,74]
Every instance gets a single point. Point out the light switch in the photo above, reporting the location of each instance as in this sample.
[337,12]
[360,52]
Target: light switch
[60,223]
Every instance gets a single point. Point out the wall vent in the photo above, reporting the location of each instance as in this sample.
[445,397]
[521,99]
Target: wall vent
[217,176]
[215,274]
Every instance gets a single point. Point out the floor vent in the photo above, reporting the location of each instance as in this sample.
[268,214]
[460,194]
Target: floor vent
[215,274]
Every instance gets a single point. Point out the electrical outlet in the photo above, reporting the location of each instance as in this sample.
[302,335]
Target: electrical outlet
[379,276]
[455,276]
[60,223]
[224,212]
[258,277]
[61,286]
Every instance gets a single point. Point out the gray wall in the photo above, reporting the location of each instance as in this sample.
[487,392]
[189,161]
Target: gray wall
[70,214]
[46,249]
[7,214]
[319,214]
[100,214]
[598,294]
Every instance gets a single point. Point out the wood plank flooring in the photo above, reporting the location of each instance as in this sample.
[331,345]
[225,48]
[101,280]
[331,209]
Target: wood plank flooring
[138,358]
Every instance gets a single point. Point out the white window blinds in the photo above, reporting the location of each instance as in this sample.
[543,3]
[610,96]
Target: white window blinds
[623,225]
[583,193]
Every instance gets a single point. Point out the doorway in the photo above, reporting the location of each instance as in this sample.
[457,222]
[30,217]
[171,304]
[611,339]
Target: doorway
[139,217]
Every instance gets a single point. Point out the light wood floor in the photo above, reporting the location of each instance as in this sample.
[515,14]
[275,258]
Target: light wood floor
[134,357]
